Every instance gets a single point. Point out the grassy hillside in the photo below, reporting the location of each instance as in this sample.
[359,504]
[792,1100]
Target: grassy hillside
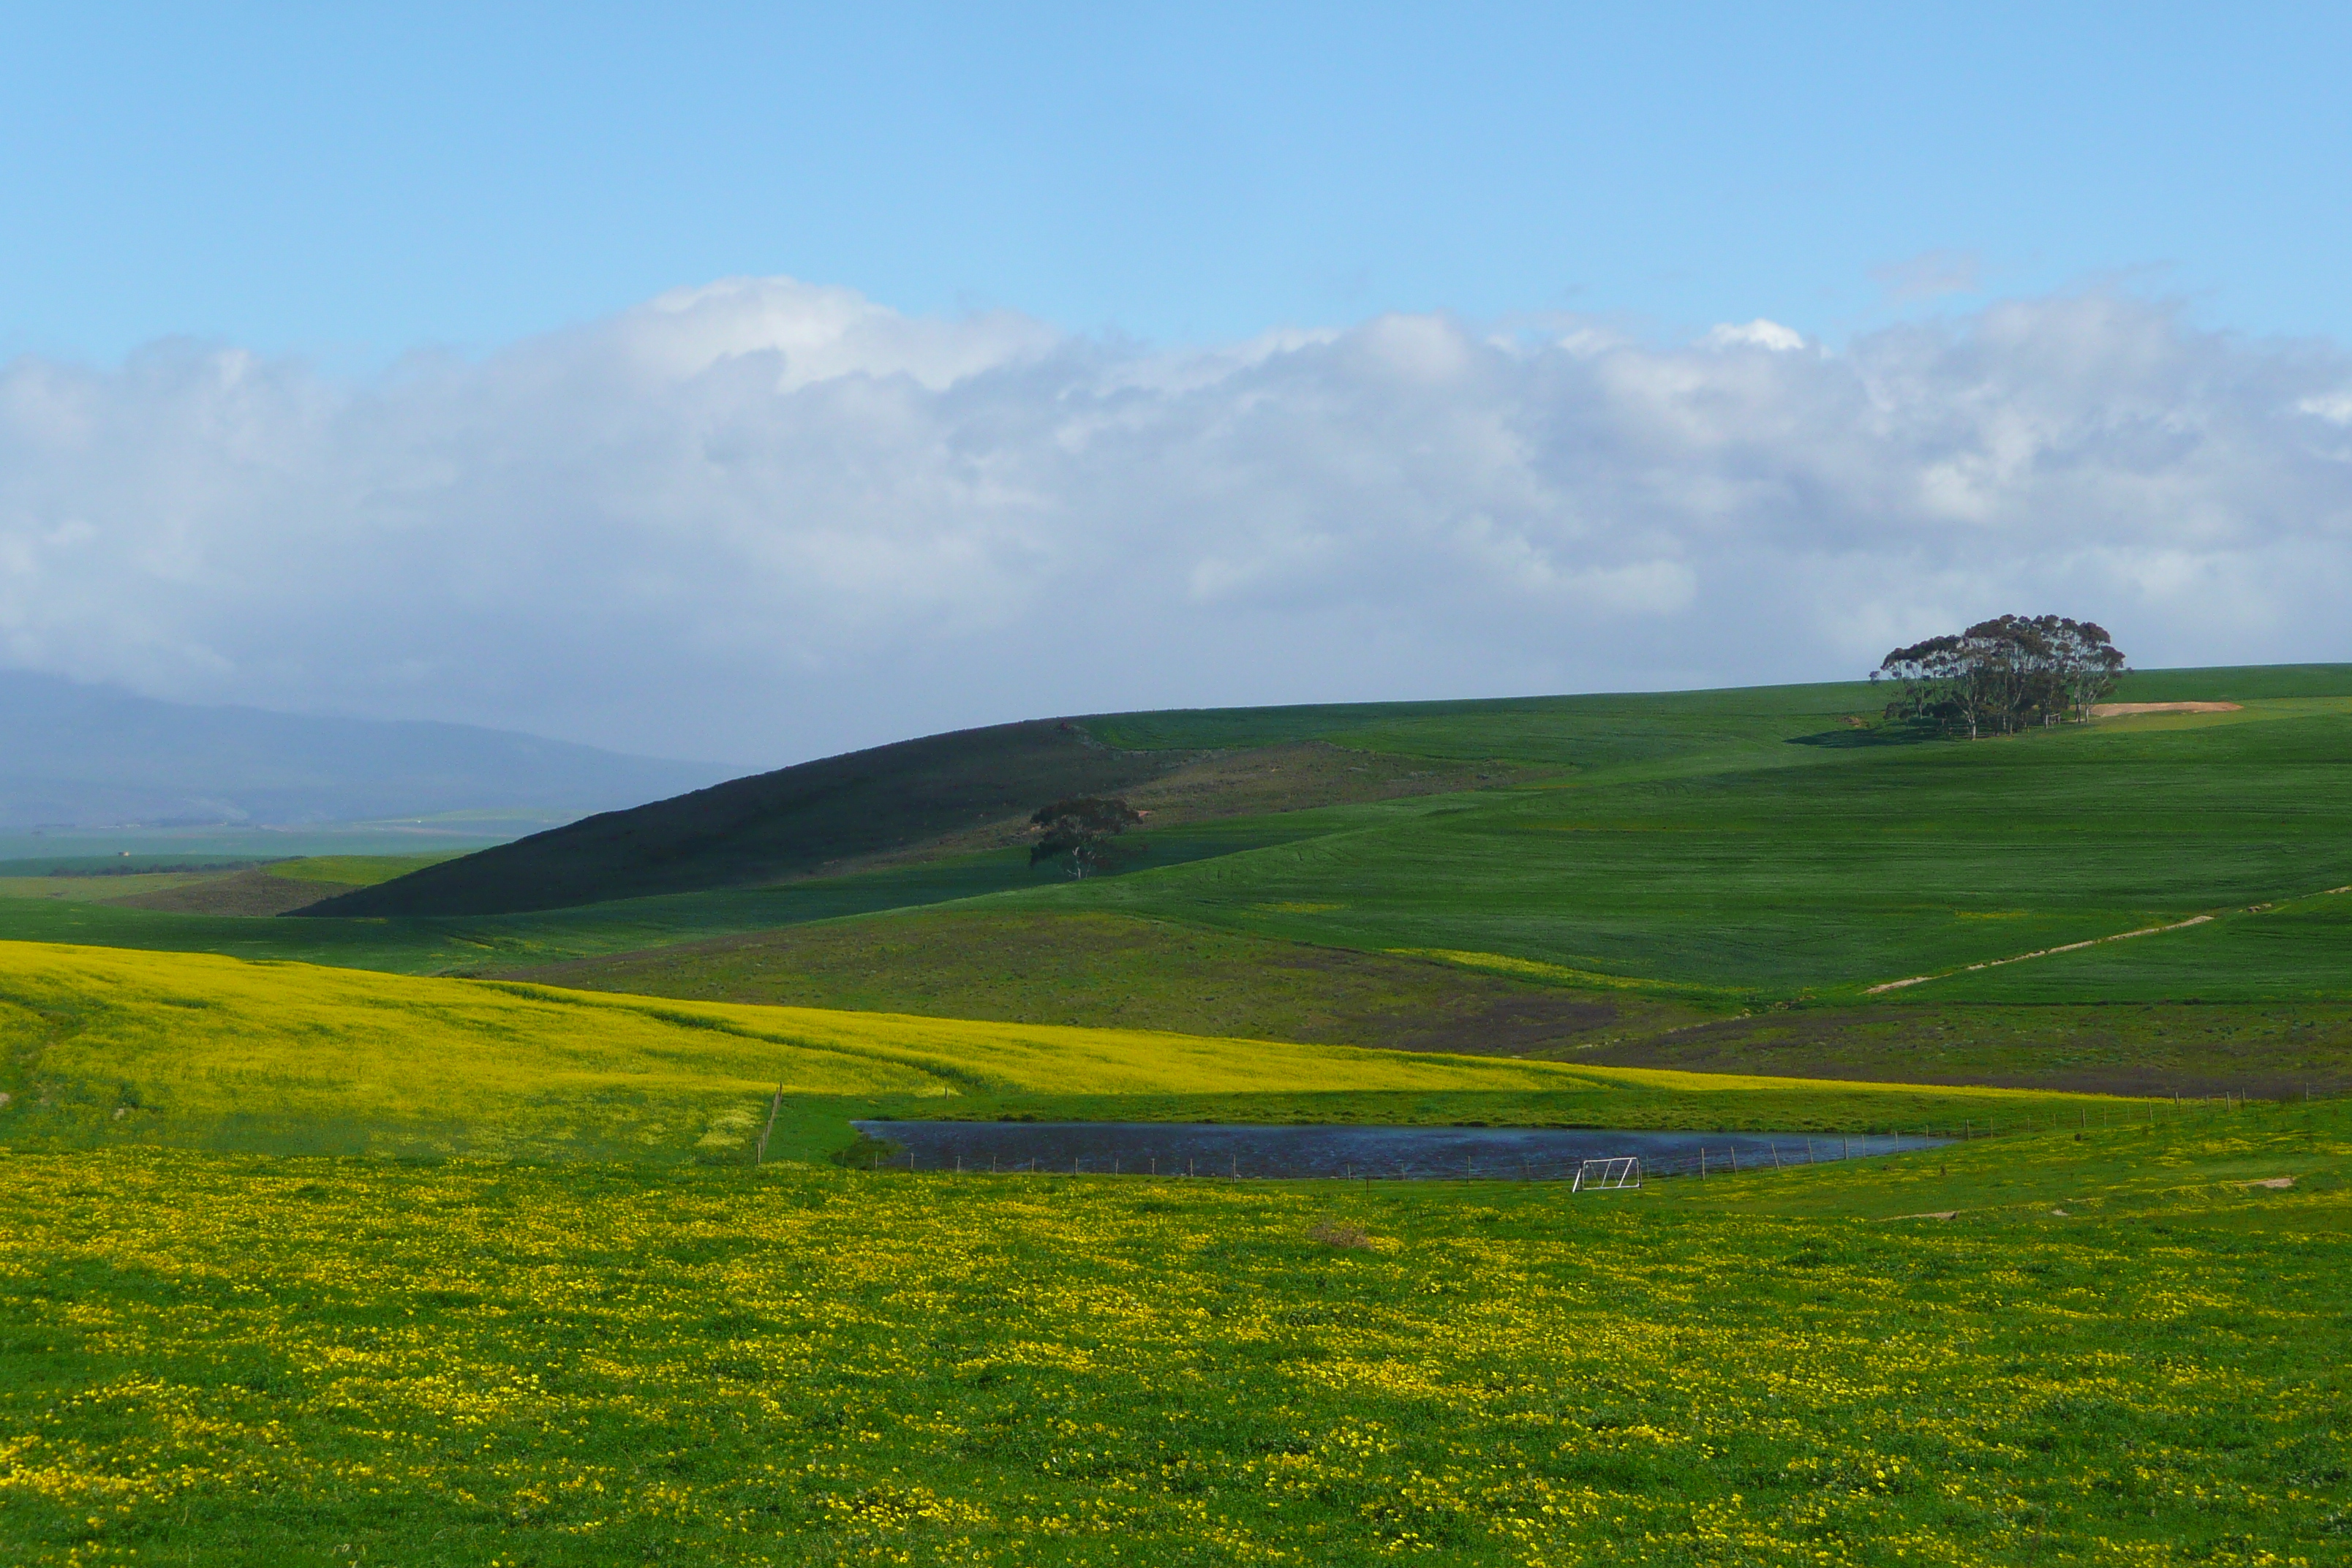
[1652,861]
[1102,969]
[2120,1350]
[438,944]
[890,797]
[1757,841]
[1778,882]
[771,826]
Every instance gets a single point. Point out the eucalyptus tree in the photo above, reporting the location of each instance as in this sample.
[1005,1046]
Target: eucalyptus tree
[2003,674]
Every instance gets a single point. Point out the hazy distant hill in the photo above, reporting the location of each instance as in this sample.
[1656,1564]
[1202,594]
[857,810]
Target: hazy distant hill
[90,755]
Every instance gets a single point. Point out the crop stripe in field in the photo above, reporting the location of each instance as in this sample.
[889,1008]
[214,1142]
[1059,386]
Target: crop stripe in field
[651,1008]
[2096,940]
[1505,964]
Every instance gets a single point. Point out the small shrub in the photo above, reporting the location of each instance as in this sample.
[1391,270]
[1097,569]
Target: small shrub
[1338,1233]
[869,1153]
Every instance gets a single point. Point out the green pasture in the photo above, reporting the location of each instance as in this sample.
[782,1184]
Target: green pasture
[2115,1348]
[1744,846]
[2299,952]
[2270,1050]
[1740,856]
[1777,882]
[433,944]
[1692,856]
[1640,730]
[90,889]
[1114,971]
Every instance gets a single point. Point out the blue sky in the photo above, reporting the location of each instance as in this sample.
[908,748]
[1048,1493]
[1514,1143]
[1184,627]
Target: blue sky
[351,182]
[749,384]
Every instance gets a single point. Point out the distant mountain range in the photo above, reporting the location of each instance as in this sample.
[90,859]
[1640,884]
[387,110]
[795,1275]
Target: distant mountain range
[87,756]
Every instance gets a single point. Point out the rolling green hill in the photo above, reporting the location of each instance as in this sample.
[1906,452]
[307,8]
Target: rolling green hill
[770,826]
[800,819]
[1619,878]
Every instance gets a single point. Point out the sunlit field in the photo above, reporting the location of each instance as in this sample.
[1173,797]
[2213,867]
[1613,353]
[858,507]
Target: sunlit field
[2121,1349]
[185,1048]
[581,1263]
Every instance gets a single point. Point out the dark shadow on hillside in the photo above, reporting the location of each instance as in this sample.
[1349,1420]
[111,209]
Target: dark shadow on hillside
[774,826]
[1854,738]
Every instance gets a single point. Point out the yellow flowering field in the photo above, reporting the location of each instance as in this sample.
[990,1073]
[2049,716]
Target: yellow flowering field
[215,1052]
[2120,1349]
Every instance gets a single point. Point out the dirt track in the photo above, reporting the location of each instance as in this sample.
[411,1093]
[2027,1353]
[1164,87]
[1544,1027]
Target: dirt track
[2127,709]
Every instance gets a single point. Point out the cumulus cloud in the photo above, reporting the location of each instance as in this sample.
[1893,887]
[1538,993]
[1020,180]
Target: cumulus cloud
[761,521]
[1758,333]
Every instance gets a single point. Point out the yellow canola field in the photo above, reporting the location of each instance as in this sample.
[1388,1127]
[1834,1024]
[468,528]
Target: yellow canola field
[197,1028]
[167,1044]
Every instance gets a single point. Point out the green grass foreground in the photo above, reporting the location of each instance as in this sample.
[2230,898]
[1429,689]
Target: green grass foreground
[2117,1351]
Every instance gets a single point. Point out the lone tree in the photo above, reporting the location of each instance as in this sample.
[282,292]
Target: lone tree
[1081,827]
[2001,675]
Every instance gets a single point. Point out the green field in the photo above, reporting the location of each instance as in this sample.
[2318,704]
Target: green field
[1653,863]
[1021,966]
[1743,848]
[435,1238]
[2117,1351]
[1786,882]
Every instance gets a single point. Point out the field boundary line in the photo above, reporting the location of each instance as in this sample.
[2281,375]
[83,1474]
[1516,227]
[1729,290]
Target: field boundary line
[2037,952]
[1887,985]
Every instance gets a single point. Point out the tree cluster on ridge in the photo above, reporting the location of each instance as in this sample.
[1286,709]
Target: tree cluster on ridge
[2004,674]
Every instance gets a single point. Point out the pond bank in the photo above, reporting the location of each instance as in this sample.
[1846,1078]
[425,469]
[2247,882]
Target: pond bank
[1420,1154]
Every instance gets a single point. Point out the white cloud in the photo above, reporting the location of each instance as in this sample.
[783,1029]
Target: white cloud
[2335,408]
[1758,333]
[761,520]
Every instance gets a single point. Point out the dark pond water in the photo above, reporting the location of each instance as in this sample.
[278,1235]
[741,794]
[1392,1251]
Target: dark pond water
[1205,1149]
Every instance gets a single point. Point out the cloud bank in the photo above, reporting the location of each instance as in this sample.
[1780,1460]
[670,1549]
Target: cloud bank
[763,521]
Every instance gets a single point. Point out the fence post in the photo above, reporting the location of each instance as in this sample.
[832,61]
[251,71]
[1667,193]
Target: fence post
[759,1154]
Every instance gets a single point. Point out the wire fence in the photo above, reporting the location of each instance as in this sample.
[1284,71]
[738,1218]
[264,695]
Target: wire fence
[1739,1154]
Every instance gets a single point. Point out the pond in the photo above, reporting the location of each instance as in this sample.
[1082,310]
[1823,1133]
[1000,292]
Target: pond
[1212,1148]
